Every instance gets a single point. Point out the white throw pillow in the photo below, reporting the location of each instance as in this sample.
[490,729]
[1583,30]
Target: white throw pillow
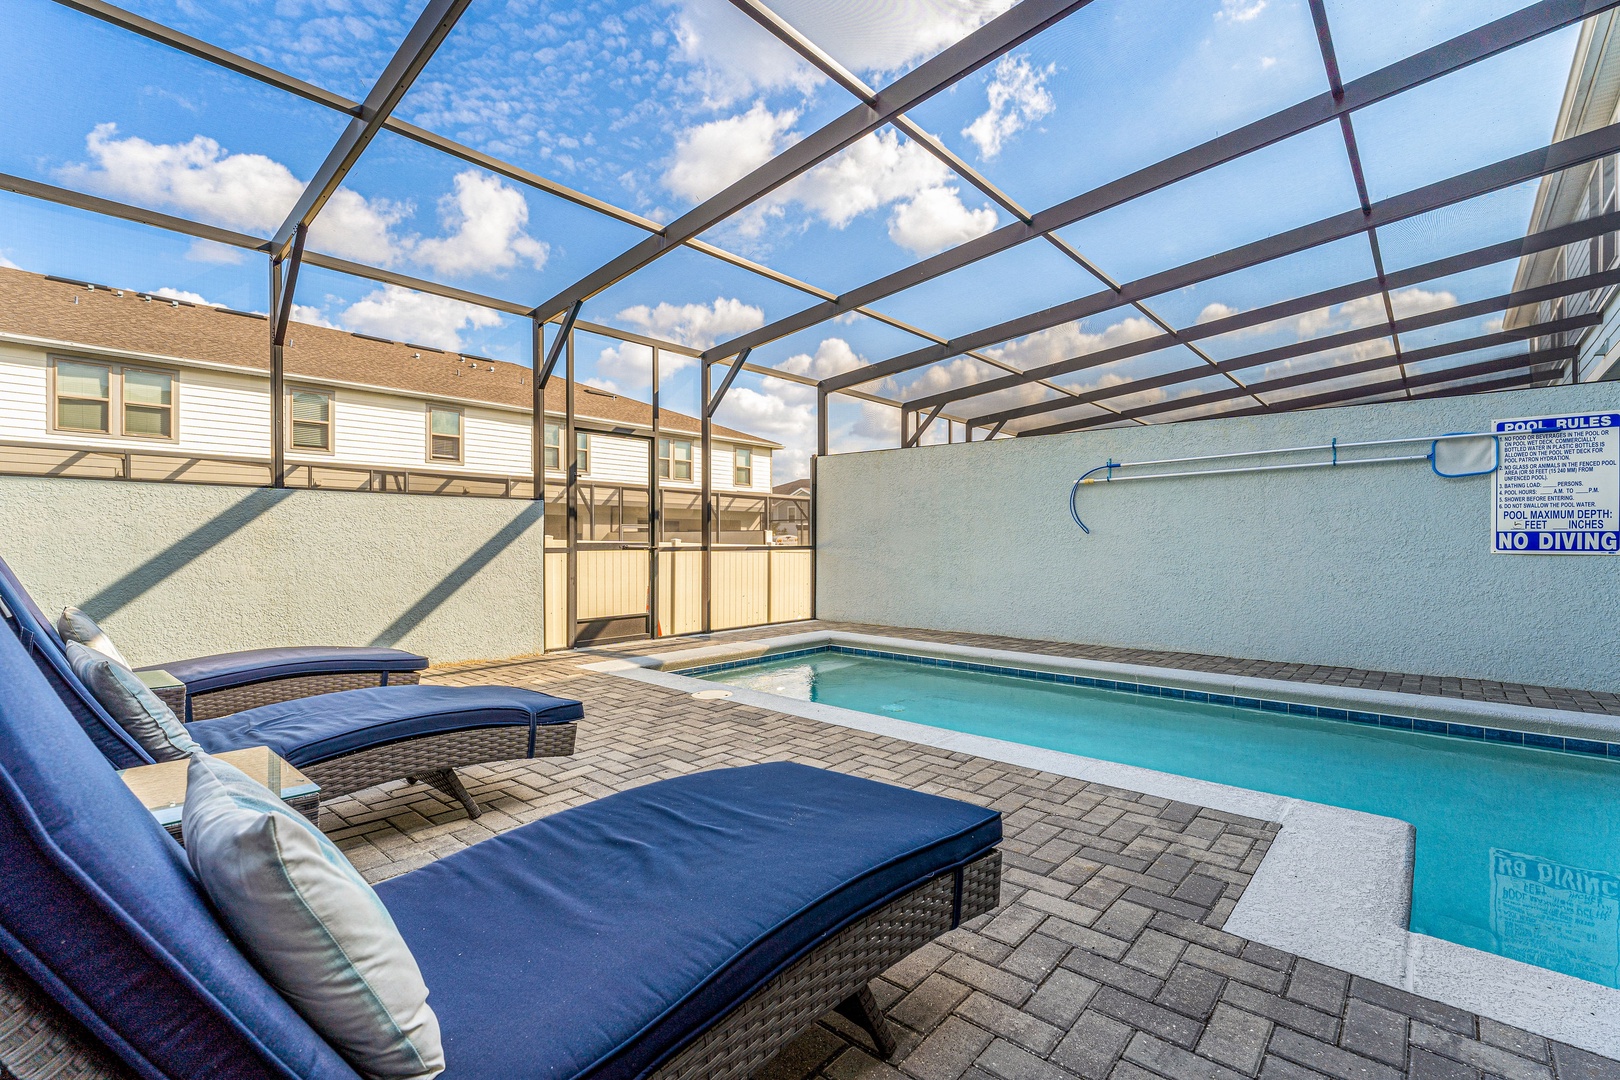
[75,625]
[310,923]
[131,702]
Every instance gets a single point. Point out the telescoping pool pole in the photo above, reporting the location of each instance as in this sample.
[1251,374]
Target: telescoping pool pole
[1110,467]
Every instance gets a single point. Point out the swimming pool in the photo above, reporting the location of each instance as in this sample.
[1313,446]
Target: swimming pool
[1518,849]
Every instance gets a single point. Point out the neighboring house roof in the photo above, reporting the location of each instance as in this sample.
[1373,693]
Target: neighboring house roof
[792,487]
[1591,100]
[126,321]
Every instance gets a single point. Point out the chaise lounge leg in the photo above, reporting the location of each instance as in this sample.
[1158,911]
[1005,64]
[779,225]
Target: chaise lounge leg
[447,781]
[861,1009]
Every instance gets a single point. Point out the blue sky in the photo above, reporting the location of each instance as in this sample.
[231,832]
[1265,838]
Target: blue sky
[653,106]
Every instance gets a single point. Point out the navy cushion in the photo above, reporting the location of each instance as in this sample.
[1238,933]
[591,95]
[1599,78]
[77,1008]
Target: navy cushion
[314,729]
[595,942]
[45,646]
[101,910]
[205,673]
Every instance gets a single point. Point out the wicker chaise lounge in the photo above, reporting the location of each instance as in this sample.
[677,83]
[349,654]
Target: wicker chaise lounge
[226,683]
[689,928]
[344,741]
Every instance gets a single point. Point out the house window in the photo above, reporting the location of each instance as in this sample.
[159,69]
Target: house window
[675,459]
[94,398]
[83,397]
[554,447]
[311,428]
[742,467]
[148,403]
[444,434]
[554,441]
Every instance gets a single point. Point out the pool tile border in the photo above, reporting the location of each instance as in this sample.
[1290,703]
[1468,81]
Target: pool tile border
[1535,740]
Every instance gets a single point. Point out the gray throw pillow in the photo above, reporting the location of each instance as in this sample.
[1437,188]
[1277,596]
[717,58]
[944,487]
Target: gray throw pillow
[75,625]
[310,923]
[130,702]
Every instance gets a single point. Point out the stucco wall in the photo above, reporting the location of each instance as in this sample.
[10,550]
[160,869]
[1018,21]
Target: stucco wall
[1377,566]
[176,570]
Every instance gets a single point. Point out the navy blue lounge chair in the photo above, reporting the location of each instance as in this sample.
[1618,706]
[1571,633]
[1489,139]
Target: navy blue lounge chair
[689,928]
[344,741]
[225,683]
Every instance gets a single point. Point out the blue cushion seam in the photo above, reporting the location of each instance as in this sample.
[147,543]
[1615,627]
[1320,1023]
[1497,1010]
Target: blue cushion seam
[47,844]
[316,747]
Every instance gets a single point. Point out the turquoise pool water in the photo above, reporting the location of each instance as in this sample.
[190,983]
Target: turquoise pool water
[1518,849]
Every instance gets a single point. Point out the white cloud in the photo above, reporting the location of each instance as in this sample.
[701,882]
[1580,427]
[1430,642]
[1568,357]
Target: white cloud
[935,219]
[185,294]
[1240,11]
[711,156]
[206,251]
[696,325]
[1017,97]
[403,315]
[785,412]
[8,264]
[733,56]
[1071,340]
[627,367]
[484,221]
[250,192]
[880,170]
[313,316]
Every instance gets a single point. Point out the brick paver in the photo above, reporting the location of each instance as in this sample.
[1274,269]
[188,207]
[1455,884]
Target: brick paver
[1106,959]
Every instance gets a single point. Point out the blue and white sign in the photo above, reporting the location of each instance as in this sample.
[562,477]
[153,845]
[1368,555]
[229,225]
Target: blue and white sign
[1558,487]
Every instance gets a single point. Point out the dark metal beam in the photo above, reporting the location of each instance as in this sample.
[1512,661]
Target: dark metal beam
[1325,374]
[565,334]
[711,405]
[270,76]
[97,205]
[283,315]
[1426,320]
[1001,34]
[1551,360]
[413,54]
[1517,169]
[123,211]
[916,436]
[1575,232]
[1524,25]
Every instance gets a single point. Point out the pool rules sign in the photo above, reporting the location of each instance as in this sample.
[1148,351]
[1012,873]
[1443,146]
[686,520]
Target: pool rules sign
[1558,486]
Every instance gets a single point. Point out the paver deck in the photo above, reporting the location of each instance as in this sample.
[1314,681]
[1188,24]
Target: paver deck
[1106,959]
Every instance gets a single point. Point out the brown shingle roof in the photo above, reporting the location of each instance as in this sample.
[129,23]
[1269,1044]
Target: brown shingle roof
[128,321]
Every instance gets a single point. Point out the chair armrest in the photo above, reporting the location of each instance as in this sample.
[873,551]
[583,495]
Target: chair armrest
[170,690]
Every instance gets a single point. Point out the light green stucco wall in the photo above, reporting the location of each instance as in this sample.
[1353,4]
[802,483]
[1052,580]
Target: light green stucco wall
[1378,566]
[178,570]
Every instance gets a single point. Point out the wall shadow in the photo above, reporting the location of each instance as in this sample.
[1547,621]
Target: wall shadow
[164,565]
[435,597]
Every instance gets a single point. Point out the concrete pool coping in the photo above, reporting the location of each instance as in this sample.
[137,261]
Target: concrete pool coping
[1358,923]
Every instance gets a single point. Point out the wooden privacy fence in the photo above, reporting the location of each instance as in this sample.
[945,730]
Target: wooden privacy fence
[751,587]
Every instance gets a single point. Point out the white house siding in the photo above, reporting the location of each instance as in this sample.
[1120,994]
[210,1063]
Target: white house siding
[617,460]
[496,442]
[227,414]
[223,413]
[373,429]
[23,408]
[724,469]
[218,413]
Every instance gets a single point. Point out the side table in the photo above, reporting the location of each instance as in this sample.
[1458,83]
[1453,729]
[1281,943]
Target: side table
[162,787]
